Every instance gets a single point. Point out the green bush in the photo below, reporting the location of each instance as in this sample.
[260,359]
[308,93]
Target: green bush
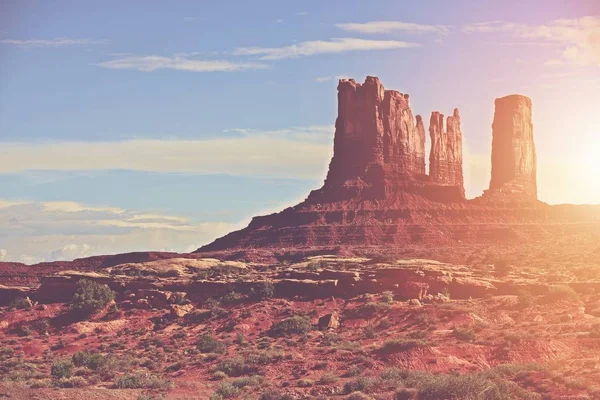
[233,298]
[91,297]
[262,291]
[208,344]
[387,297]
[274,395]
[235,366]
[72,382]
[61,369]
[141,381]
[362,384]
[292,325]
[21,303]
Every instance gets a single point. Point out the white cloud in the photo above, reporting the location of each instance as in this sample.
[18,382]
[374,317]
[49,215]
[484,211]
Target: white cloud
[393,26]
[178,62]
[71,252]
[578,39]
[57,42]
[311,133]
[316,47]
[322,79]
[37,231]
[255,153]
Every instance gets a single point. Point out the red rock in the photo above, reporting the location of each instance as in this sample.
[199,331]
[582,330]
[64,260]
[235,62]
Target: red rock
[513,149]
[445,159]
[378,144]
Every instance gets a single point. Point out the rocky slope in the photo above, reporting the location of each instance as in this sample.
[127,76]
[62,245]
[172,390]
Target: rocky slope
[526,326]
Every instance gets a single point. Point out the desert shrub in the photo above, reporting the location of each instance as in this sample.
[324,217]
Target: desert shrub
[233,298]
[362,384]
[141,381]
[387,297]
[330,338]
[208,344]
[263,357]
[305,383]
[399,345]
[219,375]
[6,353]
[405,394]
[90,296]
[359,396]
[225,390]
[71,382]
[61,369]
[40,383]
[292,325]
[262,291]
[464,334]
[275,395]
[369,332]
[393,375]
[198,316]
[58,345]
[235,366]
[459,387]
[80,358]
[368,310]
[21,303]
[328,379]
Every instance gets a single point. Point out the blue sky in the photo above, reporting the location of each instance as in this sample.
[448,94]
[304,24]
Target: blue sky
[119,118]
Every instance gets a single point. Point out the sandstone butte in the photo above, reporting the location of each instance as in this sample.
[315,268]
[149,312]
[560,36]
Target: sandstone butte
[378,193]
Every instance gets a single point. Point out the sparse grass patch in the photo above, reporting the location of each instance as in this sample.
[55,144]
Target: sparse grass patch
[464,334]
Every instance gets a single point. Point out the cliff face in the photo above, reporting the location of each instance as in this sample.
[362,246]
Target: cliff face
[379,149]
[513,149]
[445,159]
[376,142]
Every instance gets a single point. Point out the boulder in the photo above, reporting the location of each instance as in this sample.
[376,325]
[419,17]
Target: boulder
[329,321]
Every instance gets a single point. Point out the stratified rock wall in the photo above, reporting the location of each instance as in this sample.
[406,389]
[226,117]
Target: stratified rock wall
[513,149]
[445,158]
[377,143]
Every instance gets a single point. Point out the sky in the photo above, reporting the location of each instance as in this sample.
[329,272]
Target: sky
[152,125]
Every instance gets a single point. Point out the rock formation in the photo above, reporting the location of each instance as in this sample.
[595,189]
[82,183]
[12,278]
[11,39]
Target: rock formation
[377,192]
[378,146]
[513,150]
[379,149]
[445,159]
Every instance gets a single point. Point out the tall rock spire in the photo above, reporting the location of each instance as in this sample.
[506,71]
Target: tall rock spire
[445,158]
[514,161]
